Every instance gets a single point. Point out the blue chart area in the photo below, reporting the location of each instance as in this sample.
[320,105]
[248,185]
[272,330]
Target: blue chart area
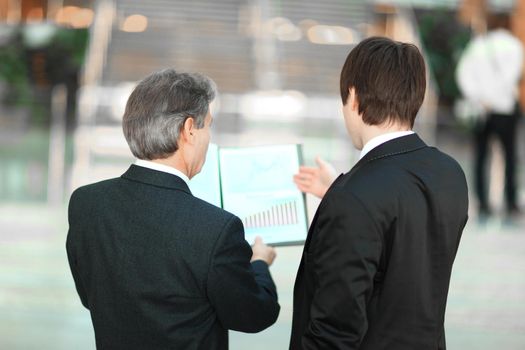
[257,172]
[258,187]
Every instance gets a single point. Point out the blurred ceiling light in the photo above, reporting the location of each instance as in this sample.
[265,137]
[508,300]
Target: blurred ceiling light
[135,24]
[306,24]
[36,14]
[82,18]
[13,14]
[331,35]
[65,14]
[387,9]
[283,29]
[276,104]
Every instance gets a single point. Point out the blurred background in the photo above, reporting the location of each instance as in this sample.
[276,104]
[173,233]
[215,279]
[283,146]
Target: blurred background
[68,66]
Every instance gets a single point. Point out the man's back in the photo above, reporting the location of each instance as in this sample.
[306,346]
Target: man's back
[420,202]
[161,269]
[390,229]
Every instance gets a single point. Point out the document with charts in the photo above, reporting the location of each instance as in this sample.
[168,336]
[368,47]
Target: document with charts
[255,183]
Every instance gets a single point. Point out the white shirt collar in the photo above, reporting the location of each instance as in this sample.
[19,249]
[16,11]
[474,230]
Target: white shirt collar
[378,140]
[164,168]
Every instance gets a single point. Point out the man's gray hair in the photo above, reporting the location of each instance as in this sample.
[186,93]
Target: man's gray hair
[158,107]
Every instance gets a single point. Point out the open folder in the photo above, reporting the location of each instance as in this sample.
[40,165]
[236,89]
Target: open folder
[255,184]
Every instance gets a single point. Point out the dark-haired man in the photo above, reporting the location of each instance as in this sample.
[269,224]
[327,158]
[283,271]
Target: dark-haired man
[378,257]
[157,267]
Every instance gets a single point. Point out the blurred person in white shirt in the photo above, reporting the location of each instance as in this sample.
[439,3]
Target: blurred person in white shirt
[488,75]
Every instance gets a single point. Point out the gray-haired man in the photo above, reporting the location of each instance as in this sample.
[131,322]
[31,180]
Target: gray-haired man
[157,267]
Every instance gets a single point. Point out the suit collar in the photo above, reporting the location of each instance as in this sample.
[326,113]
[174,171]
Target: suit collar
[399,145]
[155,178]
[380,139]
[162,167]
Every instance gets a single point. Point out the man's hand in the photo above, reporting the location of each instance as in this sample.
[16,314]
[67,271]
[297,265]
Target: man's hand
[262,252]
[315,180]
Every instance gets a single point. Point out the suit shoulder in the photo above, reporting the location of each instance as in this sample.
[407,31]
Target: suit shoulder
[446,158]
[83,196]
[447,170]
[386,177]
[211,209]
[96,187]
[209,215]
[378,175]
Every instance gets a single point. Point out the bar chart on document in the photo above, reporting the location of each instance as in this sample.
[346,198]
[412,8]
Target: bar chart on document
[278,215]
[257,186]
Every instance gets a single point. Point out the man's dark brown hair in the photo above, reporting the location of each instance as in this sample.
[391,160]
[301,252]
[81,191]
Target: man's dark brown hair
[389,80]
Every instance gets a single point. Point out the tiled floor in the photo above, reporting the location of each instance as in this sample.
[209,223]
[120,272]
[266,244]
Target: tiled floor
[39,308]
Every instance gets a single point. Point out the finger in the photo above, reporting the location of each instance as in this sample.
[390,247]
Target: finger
[307,170]
[320,162]
[303,177]
[303,183]
[326,168]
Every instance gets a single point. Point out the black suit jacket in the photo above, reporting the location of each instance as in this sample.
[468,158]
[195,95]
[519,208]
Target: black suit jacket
[161,269]
[378,257]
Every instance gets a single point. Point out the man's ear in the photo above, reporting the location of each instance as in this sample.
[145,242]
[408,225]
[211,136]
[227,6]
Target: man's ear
[188,129]
[352,97]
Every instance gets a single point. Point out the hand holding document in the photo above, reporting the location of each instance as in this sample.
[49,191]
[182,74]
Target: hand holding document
[256,184]
[263,252]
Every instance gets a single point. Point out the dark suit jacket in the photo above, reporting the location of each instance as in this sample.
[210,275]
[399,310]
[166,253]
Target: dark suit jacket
[161,269]
[377,260]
